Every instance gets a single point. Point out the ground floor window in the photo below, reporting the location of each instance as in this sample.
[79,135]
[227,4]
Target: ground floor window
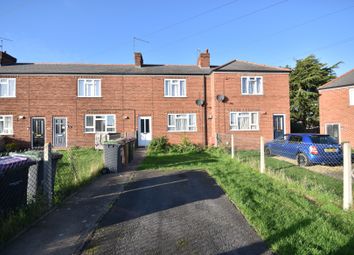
[244,121]
[100,123]
[333,130]
[6,124]
[182,122]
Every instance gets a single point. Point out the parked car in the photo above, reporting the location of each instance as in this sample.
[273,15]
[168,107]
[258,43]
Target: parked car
[307,149]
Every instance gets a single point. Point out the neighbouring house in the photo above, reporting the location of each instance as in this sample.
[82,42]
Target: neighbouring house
[66,104]
[336,105]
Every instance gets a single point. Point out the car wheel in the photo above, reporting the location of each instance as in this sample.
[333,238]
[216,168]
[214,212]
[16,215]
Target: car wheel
[267,152]
[302,160]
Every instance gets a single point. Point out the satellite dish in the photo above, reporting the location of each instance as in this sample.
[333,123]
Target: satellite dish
[199,102]
[220,98]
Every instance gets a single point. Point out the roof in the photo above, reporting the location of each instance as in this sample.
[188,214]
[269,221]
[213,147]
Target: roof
[245,66]
[344,80]
[32,68]
[114,69]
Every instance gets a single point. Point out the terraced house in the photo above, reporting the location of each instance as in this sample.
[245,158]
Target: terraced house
[66,104]
[336,103]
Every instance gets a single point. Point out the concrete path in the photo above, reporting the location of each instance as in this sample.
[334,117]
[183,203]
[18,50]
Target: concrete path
[174,213]
[65,230]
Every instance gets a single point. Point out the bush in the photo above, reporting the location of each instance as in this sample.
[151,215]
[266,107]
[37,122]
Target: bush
[158,145]
[11,147]
[186,146]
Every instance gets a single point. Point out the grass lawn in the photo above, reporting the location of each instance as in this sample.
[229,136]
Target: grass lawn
[76,168]
[294,210]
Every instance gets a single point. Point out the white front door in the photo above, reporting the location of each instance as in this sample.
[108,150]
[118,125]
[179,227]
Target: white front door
[145,133]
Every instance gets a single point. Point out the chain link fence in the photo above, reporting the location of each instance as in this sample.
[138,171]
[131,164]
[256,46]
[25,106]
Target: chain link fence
[27,180]
[316,153]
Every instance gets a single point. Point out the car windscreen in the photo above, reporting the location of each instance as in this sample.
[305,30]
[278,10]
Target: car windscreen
[323,139]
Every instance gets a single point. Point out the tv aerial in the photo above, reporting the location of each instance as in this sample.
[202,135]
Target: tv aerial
[2,39]
[136,39]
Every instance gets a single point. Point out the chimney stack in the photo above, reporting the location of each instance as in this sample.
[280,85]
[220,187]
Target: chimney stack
[138,59]
[204,59]
[6,59]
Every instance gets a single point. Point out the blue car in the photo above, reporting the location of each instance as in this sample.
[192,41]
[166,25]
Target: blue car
[307,149]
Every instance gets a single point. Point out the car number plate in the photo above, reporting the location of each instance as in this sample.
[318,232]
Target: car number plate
[330,150]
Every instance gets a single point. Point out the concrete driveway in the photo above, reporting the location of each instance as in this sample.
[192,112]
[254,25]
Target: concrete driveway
[174,213]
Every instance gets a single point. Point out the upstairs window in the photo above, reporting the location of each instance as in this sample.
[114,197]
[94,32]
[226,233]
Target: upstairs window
[175,88]
[6,124]
[252,85]
[89,88]
[351,96]
[8,87]
[105,123]
[244,121]
[182,122]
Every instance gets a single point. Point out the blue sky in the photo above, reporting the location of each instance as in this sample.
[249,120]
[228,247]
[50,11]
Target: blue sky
[274,32]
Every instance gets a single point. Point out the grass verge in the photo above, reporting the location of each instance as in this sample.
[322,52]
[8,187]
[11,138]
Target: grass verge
[77,167]
[294,210]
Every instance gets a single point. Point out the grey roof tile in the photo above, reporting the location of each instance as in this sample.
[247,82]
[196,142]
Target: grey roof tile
[245,66]
[31,68]
[344,80]
[102,69]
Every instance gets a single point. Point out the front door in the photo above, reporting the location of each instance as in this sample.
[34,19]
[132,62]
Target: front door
[59,132]
[38,132]
[278,126]
[145,133]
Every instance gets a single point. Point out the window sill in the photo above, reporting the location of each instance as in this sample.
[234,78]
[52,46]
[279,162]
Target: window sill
[110,132]
[175,96]
[181,131]
[245,130]
[7,97]
[88,97]
[252,94]
[7,134]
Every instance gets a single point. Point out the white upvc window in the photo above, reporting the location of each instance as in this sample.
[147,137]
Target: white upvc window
[351,96]
[183,122]
[244,121]
[175,88]
[7,87]
[6,125]
[97,123]
[252,85]
[89,88]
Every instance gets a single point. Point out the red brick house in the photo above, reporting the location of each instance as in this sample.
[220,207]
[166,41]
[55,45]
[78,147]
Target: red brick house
[336,105]
[66,104]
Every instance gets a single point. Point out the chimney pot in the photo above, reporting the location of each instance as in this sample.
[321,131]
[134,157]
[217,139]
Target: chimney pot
[138,59]
[6,59]
[204,59]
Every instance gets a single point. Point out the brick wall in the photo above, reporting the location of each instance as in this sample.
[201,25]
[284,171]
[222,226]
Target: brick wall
[335,108]
[132,96]
[275,100]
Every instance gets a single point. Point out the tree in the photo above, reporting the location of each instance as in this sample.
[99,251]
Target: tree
[305,79]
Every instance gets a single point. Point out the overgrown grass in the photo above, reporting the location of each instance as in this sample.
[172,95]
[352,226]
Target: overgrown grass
[294,210]
[77,167]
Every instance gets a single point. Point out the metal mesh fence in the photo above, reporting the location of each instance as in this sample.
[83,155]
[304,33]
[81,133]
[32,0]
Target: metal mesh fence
[291,156]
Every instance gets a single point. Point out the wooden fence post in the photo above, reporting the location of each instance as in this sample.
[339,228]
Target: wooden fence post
[262,159]
[347,176]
